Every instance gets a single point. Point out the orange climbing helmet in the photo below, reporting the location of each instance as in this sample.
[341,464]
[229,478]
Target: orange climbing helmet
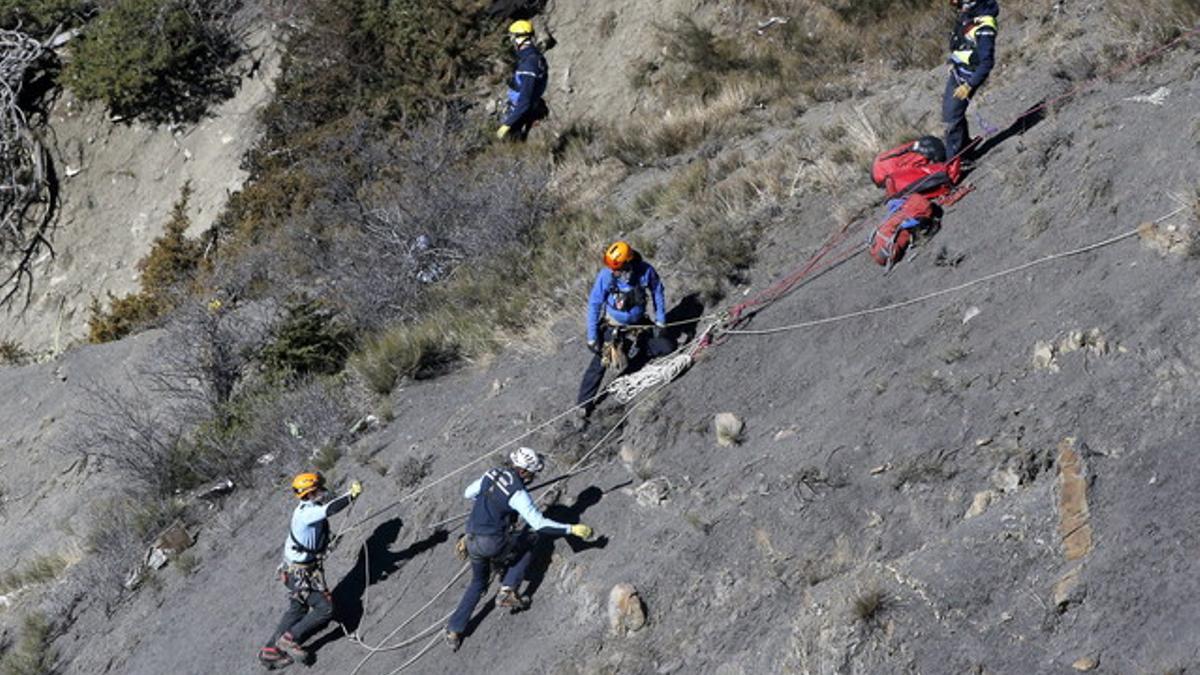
[305,484]
[618,255]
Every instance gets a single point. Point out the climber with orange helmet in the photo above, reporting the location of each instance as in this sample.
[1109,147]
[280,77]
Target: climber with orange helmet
[528,84]
[618,300]
[310,604]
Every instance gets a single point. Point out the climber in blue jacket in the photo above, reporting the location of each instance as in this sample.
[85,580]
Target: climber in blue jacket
[528,84]
[618,299]
[972,55]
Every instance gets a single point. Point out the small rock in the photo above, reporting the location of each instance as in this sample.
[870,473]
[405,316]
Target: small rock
[1095,341]
[628,455]
[1043,356]
[971,313]
[784,434]
[729,429]
[1006,480]
[979,504]
[1069,590]
[1072,342]
[980,442]
[266,459]
[1086,663]
[653,492]
[626,612]
[880,469]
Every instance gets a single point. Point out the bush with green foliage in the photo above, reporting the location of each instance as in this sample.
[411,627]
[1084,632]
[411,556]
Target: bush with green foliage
[40,18]
[32,653]
[310,340]
[160,60]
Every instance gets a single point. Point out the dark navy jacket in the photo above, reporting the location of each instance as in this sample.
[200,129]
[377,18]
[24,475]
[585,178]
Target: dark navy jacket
[973,43]
[500,496]
[527,85]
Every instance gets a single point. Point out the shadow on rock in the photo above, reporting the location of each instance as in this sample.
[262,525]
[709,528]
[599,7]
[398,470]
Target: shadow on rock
[684,317]
[348,594]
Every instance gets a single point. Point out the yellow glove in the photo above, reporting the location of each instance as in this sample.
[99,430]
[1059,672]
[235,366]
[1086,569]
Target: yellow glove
[355,489]
[962,91]
[502,132]
[582,531]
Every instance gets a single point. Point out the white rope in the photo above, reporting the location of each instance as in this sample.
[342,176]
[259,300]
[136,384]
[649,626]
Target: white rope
[947,291]
[626,387]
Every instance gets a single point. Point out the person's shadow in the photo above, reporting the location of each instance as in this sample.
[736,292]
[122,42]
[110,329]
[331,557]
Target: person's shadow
[1028,119]
[348,594]
[543,548]
[684,318]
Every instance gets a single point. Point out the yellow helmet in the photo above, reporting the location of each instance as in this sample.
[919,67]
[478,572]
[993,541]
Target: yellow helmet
[521,29]
[618,255]
[305,484]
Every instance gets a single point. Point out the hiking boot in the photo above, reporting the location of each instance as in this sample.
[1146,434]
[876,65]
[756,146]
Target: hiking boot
[272,658]
[453,640]
[293,648]
[508,599]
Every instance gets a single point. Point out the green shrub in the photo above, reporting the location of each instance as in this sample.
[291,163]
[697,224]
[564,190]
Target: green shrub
[161,60]
[32,654]
[309,340]
[40,18]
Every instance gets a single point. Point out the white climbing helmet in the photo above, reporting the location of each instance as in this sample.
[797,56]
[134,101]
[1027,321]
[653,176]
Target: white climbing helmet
[526,458]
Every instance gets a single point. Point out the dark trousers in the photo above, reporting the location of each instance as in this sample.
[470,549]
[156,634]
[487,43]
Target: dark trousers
[537,111]
[310,606]
[954,116]
[644,349]
[485,551]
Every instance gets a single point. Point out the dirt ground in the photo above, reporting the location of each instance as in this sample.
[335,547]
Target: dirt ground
[904,497]
[119,183]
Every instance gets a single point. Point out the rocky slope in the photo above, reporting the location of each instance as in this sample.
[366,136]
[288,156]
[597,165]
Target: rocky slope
[120,181]
[992,481]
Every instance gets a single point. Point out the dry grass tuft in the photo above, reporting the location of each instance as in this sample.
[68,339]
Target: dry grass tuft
[681,130]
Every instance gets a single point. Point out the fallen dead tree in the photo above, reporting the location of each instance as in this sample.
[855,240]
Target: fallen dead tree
[27,183]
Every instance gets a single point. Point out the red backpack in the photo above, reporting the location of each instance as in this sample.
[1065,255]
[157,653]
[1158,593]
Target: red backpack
[891,239]
[902,170]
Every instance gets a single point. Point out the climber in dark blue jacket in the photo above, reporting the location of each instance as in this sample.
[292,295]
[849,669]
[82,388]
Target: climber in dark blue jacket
[972,55]
[528,84]
[618,299]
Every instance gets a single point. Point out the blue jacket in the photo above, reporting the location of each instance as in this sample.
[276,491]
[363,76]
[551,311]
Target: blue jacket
[611,287]
[527,85]
[973,44]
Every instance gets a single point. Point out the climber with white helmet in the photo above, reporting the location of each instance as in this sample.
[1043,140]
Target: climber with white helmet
[500,495]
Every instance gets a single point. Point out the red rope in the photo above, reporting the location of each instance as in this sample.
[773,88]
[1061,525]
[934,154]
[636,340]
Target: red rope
[743,310]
